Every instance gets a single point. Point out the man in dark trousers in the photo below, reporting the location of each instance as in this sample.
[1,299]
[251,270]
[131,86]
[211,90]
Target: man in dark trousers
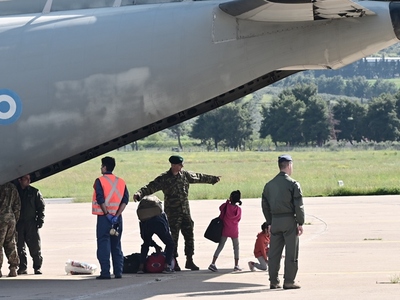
[29,223]
[175,183]
[282,204]
[110,198]
[154,221]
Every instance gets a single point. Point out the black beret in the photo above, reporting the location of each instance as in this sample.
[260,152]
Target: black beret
[176,159]
[284,157]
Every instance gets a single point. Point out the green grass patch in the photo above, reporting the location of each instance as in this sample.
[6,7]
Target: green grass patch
[362,172]
[396,81]
[395,278]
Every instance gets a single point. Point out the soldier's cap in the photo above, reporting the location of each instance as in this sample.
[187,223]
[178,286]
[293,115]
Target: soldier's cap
[176,159]
[284,157]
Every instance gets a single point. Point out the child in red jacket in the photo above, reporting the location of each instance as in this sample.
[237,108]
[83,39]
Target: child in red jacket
[261,248]
[231,214]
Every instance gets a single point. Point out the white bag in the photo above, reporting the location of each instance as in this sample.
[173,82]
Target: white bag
[74,267]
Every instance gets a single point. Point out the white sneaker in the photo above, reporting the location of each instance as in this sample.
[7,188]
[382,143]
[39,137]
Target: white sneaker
[237,268]
[168,270]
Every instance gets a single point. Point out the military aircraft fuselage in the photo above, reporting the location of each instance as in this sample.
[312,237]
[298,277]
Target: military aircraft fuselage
[73,80]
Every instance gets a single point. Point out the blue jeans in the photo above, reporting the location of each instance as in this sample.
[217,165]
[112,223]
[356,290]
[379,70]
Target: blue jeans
[109,244]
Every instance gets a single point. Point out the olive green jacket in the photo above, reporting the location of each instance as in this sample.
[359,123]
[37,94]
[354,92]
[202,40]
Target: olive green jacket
[283,196]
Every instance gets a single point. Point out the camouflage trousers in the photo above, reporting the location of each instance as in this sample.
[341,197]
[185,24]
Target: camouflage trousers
[7,241]
[182,223]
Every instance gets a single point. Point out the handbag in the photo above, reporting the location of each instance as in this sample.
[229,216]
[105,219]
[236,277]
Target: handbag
[214,229]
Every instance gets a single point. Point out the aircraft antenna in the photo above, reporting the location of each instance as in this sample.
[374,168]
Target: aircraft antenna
[117,3]
[47,7]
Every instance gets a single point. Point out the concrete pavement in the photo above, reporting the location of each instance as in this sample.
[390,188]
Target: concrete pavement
[349,250]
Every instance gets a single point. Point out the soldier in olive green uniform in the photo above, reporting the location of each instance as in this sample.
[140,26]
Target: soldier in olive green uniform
[282,204]
[10,206]
[175,185]
[28,225]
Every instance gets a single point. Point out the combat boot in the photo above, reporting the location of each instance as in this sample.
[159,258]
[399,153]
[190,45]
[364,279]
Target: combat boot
[290,286]
[13,273]
[177,268]
[190,264]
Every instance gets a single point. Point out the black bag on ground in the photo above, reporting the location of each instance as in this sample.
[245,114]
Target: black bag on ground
[131,263]
[214,230]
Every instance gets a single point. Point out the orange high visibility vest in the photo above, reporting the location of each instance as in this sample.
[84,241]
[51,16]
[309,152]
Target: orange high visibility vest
[113,188]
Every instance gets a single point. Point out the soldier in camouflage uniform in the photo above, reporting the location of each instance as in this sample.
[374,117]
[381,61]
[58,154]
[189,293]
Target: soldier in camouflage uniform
[175,185]
[10,206]
[282,205]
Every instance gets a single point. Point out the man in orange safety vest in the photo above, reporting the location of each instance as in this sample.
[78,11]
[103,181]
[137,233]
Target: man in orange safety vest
[110,198]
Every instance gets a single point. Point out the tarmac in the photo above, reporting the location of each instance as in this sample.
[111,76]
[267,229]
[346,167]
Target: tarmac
[349,250]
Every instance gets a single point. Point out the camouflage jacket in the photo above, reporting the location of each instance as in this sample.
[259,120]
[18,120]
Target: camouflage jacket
[175,188]
[10,204]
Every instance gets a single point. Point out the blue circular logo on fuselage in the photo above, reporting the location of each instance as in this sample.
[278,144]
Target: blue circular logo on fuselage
[10,107]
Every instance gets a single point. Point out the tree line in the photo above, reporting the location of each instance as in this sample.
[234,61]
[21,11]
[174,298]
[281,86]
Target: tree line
[357,86]
[371,68]
[298,116]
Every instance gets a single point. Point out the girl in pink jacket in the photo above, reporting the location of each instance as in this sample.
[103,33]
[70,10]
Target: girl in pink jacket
[231,215]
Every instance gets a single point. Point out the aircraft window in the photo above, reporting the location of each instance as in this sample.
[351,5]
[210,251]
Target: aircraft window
[60,5]
[21,7]
[46,6]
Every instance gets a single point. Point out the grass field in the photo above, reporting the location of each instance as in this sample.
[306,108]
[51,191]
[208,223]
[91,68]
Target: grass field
[362,172]
[396,81]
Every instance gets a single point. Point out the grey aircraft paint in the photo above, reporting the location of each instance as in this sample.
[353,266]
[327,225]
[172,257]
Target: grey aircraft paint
[78,83]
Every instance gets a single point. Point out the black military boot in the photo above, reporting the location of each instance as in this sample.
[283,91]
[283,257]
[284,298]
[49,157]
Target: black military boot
[190,264]
[13,272]
[177,268]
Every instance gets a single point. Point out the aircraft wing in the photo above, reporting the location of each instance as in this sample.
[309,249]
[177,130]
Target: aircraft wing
[293,10]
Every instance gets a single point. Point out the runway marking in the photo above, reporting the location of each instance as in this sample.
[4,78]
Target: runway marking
[349,272]
[228,292]
[126,287]
[356,242]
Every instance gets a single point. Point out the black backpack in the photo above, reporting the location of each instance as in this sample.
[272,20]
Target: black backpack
[131,263]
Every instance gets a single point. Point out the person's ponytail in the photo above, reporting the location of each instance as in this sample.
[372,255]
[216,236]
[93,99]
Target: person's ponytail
[235,197]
